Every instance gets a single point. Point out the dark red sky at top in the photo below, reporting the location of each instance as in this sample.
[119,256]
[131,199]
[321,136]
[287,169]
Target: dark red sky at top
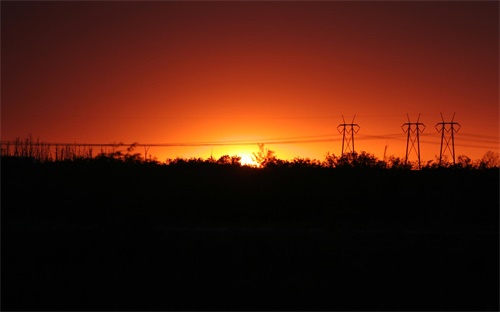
[180,72]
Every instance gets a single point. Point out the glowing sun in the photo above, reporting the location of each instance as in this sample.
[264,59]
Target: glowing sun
[246,160]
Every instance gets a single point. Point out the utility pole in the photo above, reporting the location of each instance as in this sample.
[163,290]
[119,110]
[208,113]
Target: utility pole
[350,130]
[449,128]
[413,129]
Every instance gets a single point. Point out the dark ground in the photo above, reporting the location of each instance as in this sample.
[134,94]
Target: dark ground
[114,236]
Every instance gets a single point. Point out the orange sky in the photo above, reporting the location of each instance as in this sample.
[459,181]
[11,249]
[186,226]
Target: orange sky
[183,72]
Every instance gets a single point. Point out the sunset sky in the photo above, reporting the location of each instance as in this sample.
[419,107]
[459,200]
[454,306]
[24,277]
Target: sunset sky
[229,73]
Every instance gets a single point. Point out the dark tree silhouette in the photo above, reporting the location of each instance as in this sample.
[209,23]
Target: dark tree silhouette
[264,157]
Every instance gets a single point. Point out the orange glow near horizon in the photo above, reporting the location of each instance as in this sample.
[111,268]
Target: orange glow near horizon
[278,73]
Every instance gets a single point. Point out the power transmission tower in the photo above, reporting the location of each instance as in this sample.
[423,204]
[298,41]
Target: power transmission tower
[413,129]
[350,130]
[449,128]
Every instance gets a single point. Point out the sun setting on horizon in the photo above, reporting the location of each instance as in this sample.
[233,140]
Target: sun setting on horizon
[201,79]
[247,160]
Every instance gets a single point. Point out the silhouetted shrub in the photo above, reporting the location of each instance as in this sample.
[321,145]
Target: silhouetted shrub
[266,158]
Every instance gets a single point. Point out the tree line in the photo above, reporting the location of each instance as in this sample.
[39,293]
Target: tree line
[264,158]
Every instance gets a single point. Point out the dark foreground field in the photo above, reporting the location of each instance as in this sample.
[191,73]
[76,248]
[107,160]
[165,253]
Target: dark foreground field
[116,236]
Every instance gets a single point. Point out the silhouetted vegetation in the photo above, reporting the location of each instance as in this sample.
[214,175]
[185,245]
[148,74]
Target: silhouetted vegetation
[43,152]
[119,231]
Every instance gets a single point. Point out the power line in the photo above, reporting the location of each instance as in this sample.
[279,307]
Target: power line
[190,144]
[280,140]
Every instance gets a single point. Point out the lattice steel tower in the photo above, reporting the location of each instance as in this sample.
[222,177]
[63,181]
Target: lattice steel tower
[348,131]
[413,129]
[448,128]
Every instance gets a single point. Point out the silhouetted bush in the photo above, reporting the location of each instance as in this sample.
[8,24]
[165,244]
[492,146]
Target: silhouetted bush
[266,158]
